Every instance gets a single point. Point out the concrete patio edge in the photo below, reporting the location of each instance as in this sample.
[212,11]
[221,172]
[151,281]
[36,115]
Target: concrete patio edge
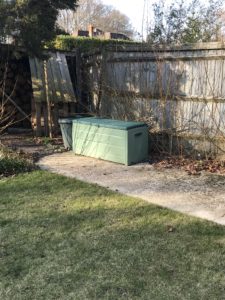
[202,197]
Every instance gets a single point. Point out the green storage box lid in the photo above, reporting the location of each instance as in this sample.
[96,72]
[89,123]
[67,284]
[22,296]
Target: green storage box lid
[69,120]
[66,120]
[109,123]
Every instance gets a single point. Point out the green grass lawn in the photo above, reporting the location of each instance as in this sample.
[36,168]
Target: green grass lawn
[64,239]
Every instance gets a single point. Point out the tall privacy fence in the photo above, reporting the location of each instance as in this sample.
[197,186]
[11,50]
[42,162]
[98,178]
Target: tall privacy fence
[179,92]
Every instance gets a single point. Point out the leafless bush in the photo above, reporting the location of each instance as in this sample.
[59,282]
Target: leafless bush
[6,117]
[9,109]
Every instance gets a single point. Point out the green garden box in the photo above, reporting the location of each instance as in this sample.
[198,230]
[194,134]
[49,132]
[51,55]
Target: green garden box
[117,141]
[66,129]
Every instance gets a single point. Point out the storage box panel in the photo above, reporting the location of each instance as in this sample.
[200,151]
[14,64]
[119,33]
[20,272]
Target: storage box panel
[99,142]
[117,141]
[103,135]
[137,145]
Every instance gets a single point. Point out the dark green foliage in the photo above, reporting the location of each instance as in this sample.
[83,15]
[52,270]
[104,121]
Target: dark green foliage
[31,23]
[14,166]
[68,43]
[13,163]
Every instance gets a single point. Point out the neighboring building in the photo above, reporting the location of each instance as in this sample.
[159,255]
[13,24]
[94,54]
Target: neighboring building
[95,32]
[83,33]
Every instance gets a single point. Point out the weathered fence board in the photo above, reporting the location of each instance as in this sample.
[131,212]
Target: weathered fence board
[179,90]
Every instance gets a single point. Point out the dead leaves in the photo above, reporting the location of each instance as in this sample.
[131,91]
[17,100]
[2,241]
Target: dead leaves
[193,167]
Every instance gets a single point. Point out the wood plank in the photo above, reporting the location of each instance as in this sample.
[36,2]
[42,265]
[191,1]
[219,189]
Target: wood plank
[78,76]
[162,58]
[219,71]
[55,118]
[49,82]
[222,85]
[66,97]
[41,81]
[37,84]
[48,120]
[57,78]
[45,114]
[33,114]
[67,78]
[38,118]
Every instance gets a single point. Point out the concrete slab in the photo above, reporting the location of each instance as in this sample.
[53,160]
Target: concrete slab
[202,196]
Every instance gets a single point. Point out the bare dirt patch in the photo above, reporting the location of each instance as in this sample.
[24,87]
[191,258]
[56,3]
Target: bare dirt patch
[29,147]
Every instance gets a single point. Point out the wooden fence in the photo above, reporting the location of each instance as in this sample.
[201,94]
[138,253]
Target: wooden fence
[52,87]
[178,91]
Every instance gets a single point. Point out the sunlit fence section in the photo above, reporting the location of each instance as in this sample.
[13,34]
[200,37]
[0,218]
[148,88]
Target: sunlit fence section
[179,92]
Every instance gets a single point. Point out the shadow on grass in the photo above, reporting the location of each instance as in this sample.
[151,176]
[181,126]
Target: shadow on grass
[63,239]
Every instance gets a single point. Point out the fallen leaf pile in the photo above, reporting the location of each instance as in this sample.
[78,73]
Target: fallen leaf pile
[191,166]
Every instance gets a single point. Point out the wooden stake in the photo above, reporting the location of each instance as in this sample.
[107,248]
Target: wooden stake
[46,119]
[55,118]
[38,118]
[48,100]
